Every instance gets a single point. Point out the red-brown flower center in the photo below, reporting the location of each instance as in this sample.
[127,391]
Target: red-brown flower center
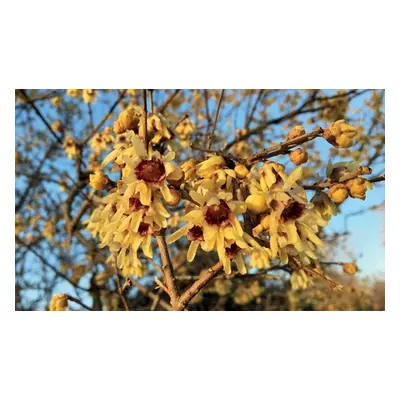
[196,233]
[135,204]
[151,170]
[143,229]
[293,210]
[232,251]
[218,214]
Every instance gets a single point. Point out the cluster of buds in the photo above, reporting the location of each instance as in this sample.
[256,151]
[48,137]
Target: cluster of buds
[340,134]
[347,180]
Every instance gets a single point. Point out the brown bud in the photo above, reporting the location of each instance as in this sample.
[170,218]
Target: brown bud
[176,178]
[296,132]
[350,268]
[175,198]
[357,188]
[299,156]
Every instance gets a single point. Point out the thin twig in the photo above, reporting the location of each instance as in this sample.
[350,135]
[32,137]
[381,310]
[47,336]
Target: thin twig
[162,108]
[168,270]
[283,148]
[145,138]
[188,295]
[119,288]
[77,301]
[211,137]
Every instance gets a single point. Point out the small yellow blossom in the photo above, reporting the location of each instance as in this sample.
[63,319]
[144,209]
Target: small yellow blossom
[73,92]
[70,147]
[89,95]
[98,180]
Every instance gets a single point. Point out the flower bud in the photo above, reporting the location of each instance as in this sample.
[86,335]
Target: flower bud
[350,268]
[299,156]
[176,178]
[340,134]
[174,199]
[256,203]
[188,168]
[241,171]
[338,193]
[98,180]
[357,188]
[296,132]
[59,302]
[127,120]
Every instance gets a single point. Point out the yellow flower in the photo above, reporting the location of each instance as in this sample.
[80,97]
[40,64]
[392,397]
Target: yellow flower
[70,147]
[49,229]
[189,169]
[213,225]
[299,156]
[19,226]
[56,101]
[324,206]
[215,174]
[185,130]
[157,128]
[56,126]
[340,134]
[338,192]
[73,92]
[299,280]
[98,180]
[89,95]
[99,142]
[59,302]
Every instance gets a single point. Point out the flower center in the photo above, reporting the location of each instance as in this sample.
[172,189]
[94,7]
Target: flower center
[293,210]
[195,233]
[143,229]
[232,251]
[151,170]
[218,214]
[135,204]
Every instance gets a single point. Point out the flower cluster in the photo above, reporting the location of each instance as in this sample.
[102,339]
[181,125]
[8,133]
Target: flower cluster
[242,212]
[133,211]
